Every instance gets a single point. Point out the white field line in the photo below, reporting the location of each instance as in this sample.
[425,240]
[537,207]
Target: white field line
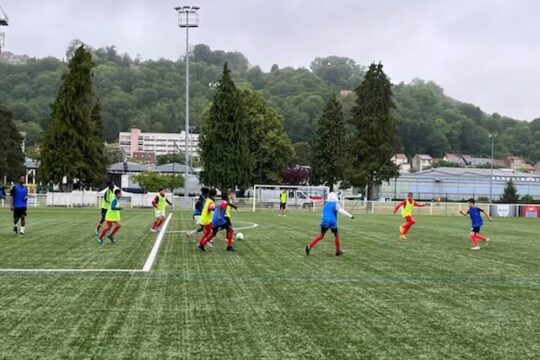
[69,270]
[147,265]
[250,226]
[150,261]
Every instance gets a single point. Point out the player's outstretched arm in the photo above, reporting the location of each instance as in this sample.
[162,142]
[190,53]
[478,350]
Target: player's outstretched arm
[398,206]
[462,213]
[486,214]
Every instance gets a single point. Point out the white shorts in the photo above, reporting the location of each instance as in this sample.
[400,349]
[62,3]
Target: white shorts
[159,214]
[197,219]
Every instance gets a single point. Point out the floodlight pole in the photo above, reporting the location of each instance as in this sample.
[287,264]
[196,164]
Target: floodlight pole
[187,17]
[492,137]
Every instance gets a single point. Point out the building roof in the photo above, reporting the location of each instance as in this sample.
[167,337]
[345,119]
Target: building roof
[400,156]
[172,168]
[423,156]
[471,172]
[130,167]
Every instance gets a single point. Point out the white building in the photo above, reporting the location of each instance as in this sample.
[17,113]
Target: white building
[422,161]
[158,143]
[402,162]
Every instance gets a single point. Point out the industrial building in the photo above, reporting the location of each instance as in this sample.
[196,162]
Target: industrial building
[136,141]
[459,184]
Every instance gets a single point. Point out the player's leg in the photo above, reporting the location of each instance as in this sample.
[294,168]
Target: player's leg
[337,242]
[23,221]
[482,238]
[409,222]
[229,237]
[16,218]
[101,221]
[474,239]
[117,226]
[104,231]
[316,239]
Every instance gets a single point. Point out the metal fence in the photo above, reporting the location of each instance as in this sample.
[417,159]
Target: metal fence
[93,200]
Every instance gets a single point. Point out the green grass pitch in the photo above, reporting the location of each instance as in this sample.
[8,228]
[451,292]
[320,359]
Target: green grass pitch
[425,298]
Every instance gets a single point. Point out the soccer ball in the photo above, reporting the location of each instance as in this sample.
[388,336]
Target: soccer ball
[239,236]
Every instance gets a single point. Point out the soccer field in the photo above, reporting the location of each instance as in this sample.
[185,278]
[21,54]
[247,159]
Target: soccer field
[425,298]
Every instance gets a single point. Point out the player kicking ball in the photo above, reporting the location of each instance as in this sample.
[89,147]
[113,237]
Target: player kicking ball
[329,222]
[219,222]
[112,219]
[407,206]
[160,208]
[476,219]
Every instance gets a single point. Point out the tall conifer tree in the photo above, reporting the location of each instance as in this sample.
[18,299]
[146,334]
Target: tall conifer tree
[73,147]
[375,139]
[11,155]
[224,142]
[328,146]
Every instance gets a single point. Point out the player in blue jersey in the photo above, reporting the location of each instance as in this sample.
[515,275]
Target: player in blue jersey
[197,211]
[19,201]
[329,222]
[476,223]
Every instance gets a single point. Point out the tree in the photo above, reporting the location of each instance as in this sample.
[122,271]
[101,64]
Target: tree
[73,147]
[170,158]
[268,143]
[341,72]
[294,176]
[375,139]
[328,155]
[527,199]
[11,155]
[224,139]
[302,154]
[510,194]
[113,153]
[151,181]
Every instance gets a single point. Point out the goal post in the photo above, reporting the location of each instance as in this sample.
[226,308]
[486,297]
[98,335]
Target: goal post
[298,196]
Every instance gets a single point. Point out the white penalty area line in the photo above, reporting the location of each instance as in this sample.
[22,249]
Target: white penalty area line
[152,257]
[146,268]
[250,225]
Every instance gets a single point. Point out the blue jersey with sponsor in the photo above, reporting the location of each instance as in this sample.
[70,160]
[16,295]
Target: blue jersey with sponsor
[476,217]
[329,215]
[199,205]
[218,219]
[19,194]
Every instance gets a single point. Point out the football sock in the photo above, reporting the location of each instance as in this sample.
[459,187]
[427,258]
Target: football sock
[315,241]
[474,239]
[338,244]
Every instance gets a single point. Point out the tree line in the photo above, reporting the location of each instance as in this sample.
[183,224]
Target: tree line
[149,95]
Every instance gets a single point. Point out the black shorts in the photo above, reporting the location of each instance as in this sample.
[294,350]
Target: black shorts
[282,206]
[476,229]
[215,229]
[19,212]
[325,229]
[228,221]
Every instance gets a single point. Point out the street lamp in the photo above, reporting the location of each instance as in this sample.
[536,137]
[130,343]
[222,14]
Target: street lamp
[188,17]
[492,137]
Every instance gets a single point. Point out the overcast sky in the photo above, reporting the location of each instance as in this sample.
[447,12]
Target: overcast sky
[486,52]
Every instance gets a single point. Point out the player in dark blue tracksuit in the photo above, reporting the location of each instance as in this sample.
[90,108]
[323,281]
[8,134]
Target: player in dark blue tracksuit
[19,199]
[329,222]
[476,223]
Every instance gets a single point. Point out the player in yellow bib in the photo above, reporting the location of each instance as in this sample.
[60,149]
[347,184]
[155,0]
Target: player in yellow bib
[407,207]
[112,218]
[283,197]
[105,204]
[206,216]
[160,208]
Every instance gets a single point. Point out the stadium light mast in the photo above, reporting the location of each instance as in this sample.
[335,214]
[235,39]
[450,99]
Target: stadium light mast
[492,137]
[188,17]
[4,21]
